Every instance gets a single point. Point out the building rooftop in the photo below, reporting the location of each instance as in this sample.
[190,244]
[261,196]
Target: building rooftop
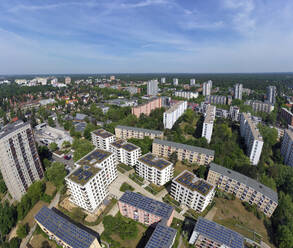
[147,204]
[162,237]
[245,180]
[174,107]
[219,233]
[80,117]
[154,161]
[102,133]
[185,147]
[69,233]
[254,130]
[11,127]
[124,145]
[210,114]
[192,182]
[137,129]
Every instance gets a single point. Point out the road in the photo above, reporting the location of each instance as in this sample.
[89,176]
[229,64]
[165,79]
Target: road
[26,240]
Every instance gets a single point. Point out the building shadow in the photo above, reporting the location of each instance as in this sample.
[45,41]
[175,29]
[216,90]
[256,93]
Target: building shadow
[146,236]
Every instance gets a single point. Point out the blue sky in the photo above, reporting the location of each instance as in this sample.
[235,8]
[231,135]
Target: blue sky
[103,36]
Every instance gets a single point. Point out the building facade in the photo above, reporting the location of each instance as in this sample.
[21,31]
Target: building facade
[238,90]
[192,154]
[287,147]
[208,124]
[154,169]
[20,164]
[192,82]
[234,113]
[152,87]
[192,191]
[163,80]
[207,88]
[186,94]
[271,94]
[244,188]
[102,139]
[126,132]
[175,81]
[287,116]
[216,99]
[259,106]
[173,114]
[146,108]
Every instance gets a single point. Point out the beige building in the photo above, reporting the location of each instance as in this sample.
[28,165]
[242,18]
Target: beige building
[192,154]
[126,132]
[244,188]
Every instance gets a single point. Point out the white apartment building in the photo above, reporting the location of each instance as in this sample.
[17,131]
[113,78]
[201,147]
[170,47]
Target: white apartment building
[125,152]
[174,113]
[287,147]
[208,124]
[192,82]
[186,94]
[163,80]
[191,191]
[175,81]
[234,113]
[102,139]
[253,139]
[238,89]
[271,94]
[152,87]
[20,164]
[89,182]
[207,88]
[154,169]
[259,106]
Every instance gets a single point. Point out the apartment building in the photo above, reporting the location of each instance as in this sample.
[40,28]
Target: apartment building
[144,209]
[192,82]
[147,107]
[207,234]
[152,87]
[259,106]
[163,80]
[126,132]
[102,139]
[244,188]
[287,116]
[20,164]
[208,124]
[234,113]
[271,94]
[238,90]
[67,80]
[192,154]
[186,94]
[207,88]
[154,169]
[125,152]
[175,81]
[88,183]
[173,114]
[252,137]
[287,147]
[216,99]
[64,232]
[192,191]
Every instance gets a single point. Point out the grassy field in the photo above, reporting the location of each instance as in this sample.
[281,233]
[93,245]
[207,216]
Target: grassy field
[232,214]
[29,218]
[37,240]
[50,189]
[179,167]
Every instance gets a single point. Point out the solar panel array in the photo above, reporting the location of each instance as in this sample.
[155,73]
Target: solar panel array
[97,155]
[152,160]
[162,237]
[218,233]
[186,179]
[129,147]
[72,235]
[102,133]
[83,174]
[147,204]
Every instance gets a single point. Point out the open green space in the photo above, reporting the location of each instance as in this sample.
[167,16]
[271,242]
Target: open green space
[137,179]
[125,186]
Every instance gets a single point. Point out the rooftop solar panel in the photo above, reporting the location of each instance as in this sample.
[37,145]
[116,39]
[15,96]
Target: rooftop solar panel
[152,160]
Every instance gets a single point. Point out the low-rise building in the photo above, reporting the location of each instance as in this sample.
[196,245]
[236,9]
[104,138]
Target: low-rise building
[186,94]
[102,139]
[154,169]
[287,147]
[207,234]
[208,124]
[259,106]
[192,191]
[173,114]
[192,154]
[146,108]
[244,188]
[126,132]
[125,152]
[64,232]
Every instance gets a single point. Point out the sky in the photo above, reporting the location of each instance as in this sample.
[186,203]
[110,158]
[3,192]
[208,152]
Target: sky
[140,36]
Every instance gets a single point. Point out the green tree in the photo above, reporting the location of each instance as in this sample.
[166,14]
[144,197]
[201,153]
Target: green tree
[56,174]
[8,218]
[22,230]
[88,129]
[81,148]
[53,147]
[173,157]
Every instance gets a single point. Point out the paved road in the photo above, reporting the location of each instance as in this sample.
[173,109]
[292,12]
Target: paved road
[26,240]
[64,161]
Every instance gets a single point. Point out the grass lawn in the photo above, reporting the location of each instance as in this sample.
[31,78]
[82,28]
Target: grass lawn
[50,188]
[37,240]
[232,214]
[29,218]
[125,167]
[179,167]
[134,177]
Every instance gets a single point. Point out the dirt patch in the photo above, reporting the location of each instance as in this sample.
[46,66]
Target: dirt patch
[50,188]
[29,218]
[67,204]
[36,241]
[179,167]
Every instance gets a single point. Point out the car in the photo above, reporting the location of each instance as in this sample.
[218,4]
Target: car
[67,157]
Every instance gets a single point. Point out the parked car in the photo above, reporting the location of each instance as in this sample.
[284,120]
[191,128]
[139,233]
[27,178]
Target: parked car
[67,157]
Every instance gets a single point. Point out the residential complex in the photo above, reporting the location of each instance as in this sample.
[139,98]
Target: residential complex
[67,80]
[207,234]
[192,81]
[192,191]
[88,183]
[252,137]
[234,113]
[152,87]
[271,94]
[207,129]
[207,88]
[238,90]
[147,107]
[102,139]
[287,147]
[192,154]
[126,132]
[216,99]
[64,232]
[244,188]
[173,114]
[186,94]
[175,81]
[154,169]
[163,80]
[259,106]
[287,116]
[20,164]
[125,152]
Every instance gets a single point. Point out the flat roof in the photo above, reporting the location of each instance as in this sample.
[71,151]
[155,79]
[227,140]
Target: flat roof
[154,161]
[69,233]
[140,129]
[147,204]
[210,114]
[102,133]
[245,180]
[193,183]
[11,127]
[124,145]
[174,107]
[162,237]
[185,147]
[219,233]
[254,130]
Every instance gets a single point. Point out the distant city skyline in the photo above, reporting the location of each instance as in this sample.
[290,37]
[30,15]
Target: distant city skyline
[145,36]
